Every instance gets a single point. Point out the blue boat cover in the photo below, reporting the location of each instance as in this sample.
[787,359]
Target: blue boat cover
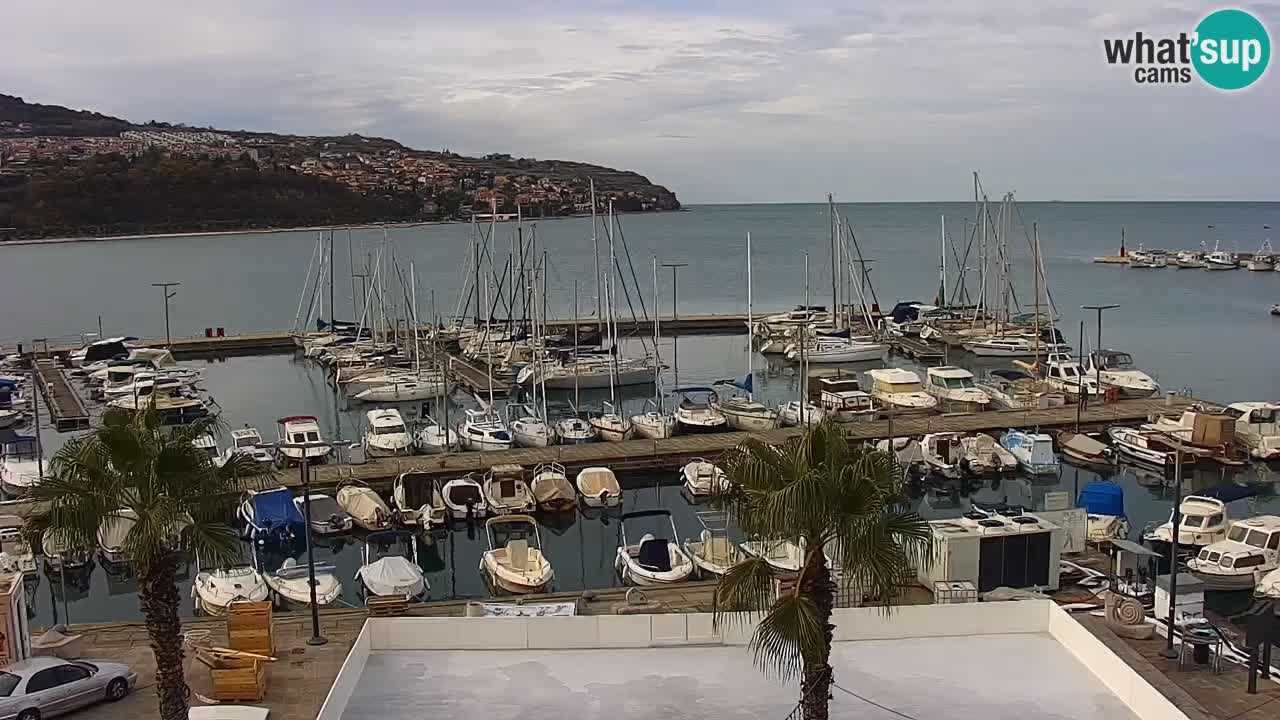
[1102,498]
[275,510]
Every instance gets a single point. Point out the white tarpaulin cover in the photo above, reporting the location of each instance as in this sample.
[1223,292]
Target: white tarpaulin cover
[363,504]
[563,609]
[392,575]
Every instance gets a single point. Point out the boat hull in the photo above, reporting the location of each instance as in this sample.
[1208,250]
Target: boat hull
[531,440]
[653,431]
[749,422]
[685,427]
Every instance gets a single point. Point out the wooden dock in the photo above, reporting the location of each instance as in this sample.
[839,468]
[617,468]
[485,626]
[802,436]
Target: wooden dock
[65,406]
[921,351]
[635,456]
[473,376]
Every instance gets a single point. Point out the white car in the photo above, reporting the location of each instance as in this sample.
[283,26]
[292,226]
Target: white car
[41,687]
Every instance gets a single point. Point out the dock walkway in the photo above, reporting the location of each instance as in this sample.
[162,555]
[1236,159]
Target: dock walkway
[671,453]
[65,406]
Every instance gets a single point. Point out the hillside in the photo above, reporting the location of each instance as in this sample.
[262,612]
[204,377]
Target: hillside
[73,172]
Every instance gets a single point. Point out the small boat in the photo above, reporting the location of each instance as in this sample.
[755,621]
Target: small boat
[942,453]
[802,315]
[392,575]
[411,498]
[1220,260]
[653,424]
[433,438]
[1257,428]
[1014,346]
[59,557]
[506,492]
[10,418]
[464,498]
[746,414]
[842,401]
[20,466]
[1015,389]
[247,441]
[1268,588]
[982,456]
[387,435]
[113,533]
[1104,503]
[794,413]
[1264,260]
[1065,375]
[1084,451]
[832,350]
[1250,551]
[713,553]
[696,413]
[900,390]
[271,518]
[1142,446]
[1204,522]
[366,507]
[906,451]
[1154,259]
[653,560]
[292,584]
[514,562]
[300,430]
[551,488]
[1275,309]
[574,431]
[610,425]
[783,556]
[327,517]
[599,488]
[484,432]
[214,590]
[703,478]
[1188,259]
[1034,451]
[527,429]
[1117,370]
[404,389]
[16,555]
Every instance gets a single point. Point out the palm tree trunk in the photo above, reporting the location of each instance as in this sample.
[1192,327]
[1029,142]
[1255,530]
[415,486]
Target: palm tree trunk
[815,683]
[158,593]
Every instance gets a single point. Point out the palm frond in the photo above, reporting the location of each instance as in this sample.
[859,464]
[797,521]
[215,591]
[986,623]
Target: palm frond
[788,636]
[745,589]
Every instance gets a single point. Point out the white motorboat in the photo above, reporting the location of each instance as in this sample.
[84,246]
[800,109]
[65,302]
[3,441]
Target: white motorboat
[1065,375]
[10,418]
[588,372]
[842,401]
[407,388]
[1082,450]
[955,389]
[300,430]
[744,413]
[386,435]
[1142,446]
[417,500]
[907,452]
[794,413]
[506,492]
[1264,260]
[551,488]
[20,466]
[214,590]
[703,478]
[113,534]
[327,516]
[365,506]
[802,315]
[527,429]
[574,431]
[464,498]
[209,445]
[145,385]
[433,438]
[713,553]
[599,488]
[696,412]
[981,455]
[1148,259]
[392,575]
[1013,346]
[1106,517]
[653,560]
[291,583]
[247,441]
[99,350]
[831,350]
[1250,551]
[1257,427]
[1220,260]
[1189,259]
[1204,522]
[1017,390]
[1116,370]
[900,390]
[1034,451]
[58,556]
[173,409]
[514,562]
[943,453]
[610,425]
[783,556]
[16,555]
[484,432]
[653,424]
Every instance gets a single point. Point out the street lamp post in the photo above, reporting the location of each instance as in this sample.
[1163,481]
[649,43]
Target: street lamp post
[1176,523]
[1097,365]
[164,287]
[308,450]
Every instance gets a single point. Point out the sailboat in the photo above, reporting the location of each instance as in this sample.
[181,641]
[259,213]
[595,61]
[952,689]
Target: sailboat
[801,412]
[611,425]
[653,423]
[745,413]
[574,430]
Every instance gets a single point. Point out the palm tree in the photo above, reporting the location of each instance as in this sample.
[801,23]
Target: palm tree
[829,499]
[180,499]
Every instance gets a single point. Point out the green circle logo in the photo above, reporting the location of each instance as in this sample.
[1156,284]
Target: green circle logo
[1231,49]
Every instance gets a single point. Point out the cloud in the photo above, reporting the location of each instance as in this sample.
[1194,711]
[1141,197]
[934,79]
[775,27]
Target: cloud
[770,101]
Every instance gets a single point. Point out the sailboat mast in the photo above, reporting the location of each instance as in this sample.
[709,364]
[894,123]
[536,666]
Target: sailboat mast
[417,349]
[657,358]
[542,373]
[804,379]
[942,265]
[835,307]
[612,322]
[333,307]
[595,245]
[1035,234]
[575,346]
[751,326]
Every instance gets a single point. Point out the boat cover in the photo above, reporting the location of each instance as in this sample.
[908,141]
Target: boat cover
[363,504]
[905,311]
[654,555]
[547,489]
[393,571]
[1086,445]
[115,529]
[1229,492]
[274,510]
[1102,498]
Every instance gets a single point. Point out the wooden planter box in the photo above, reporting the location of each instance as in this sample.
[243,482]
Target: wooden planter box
[249,627]
[240,680]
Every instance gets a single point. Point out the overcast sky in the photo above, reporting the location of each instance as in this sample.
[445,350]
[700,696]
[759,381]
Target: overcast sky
[733,101]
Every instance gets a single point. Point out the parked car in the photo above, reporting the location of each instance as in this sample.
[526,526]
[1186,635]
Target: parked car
[42,687]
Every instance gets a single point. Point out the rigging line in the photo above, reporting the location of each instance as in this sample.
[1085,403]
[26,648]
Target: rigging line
[873,702]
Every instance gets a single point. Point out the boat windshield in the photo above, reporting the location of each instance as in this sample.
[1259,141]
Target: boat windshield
[1118,360]
[957,383]
[902,387]
[306,437]
[246,441]
[397,429]
[1256,538]
[1192,521]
